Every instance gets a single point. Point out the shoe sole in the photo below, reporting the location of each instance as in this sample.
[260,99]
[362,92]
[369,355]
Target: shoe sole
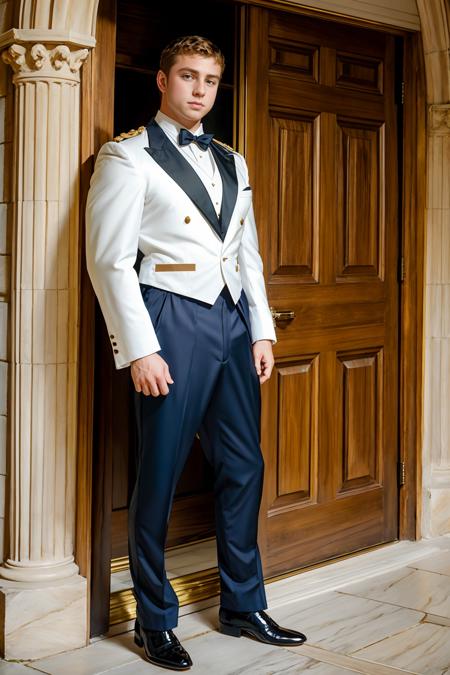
[140,643]
[237,631]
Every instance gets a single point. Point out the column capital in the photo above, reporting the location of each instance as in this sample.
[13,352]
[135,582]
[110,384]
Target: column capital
[439,119]
[37,62]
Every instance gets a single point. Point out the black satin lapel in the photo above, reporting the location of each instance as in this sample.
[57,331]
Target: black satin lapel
[227,168]
[177,167]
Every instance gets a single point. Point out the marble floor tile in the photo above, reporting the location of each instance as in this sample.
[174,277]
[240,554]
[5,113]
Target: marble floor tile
[344,623]
[381,612]
[180,560]
[120,650]
[96,658]
[10,668]
[340,573]
[351,663]
[438,562]
[219,654]
[422,649]
[187,559]
[121,581]
[407,587]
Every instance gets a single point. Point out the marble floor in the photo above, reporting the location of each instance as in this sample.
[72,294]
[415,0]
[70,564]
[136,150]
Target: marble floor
[383,611]
[180,560]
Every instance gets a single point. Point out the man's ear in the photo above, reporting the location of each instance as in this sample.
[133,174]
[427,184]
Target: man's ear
[161,81]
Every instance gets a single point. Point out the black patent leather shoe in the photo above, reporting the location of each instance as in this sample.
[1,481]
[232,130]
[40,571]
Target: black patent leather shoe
[162,648]
[258,625]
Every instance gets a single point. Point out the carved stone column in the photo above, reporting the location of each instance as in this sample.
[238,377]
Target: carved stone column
[436,456]
[44,307]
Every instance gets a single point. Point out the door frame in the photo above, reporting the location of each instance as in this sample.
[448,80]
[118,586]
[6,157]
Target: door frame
[95,109]
[412,170]
[412,271]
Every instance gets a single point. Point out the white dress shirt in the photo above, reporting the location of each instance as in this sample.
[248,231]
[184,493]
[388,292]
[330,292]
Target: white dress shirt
[202,161]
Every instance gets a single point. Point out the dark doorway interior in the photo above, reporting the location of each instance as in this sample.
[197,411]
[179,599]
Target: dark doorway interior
[142,30]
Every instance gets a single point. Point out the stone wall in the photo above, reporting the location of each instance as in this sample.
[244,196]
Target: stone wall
[436,441]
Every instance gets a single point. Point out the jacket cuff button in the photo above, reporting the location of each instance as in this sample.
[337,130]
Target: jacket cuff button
[116,351]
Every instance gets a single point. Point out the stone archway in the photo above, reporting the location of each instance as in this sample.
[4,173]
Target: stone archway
[435,27]
[74,20]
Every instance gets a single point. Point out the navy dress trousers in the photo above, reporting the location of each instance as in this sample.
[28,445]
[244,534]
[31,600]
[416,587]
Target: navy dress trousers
[216,393]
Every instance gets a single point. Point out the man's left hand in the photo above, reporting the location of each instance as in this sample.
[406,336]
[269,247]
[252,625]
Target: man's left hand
[263,358]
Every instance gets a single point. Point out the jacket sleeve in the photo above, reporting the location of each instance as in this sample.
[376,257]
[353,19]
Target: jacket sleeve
[251,265]
[113,218]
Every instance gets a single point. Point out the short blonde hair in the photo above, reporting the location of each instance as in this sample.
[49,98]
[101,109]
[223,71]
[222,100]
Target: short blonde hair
[190,44]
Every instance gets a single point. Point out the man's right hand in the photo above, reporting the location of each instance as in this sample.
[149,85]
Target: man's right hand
[151,375]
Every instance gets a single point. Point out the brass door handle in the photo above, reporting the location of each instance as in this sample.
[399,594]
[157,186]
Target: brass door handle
[282,315]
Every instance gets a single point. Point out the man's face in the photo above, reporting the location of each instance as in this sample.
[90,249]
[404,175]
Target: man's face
[189,92]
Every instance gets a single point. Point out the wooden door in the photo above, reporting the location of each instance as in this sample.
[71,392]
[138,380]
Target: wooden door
[322,151]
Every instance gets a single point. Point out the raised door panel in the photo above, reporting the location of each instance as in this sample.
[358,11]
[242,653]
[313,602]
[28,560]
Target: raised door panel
[360,213]
[296,443]
[301,59]
[359,73]
[295,240]
[361,420]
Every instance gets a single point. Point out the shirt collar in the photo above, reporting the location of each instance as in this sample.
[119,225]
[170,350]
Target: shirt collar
[171,127]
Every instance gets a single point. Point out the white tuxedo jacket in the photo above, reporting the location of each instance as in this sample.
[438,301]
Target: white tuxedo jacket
[145,195]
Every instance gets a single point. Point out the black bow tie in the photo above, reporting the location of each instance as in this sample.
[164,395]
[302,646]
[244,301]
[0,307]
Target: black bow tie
[185,137]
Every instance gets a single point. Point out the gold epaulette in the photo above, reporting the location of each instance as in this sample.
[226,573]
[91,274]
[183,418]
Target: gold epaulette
[228,147]
[129,134]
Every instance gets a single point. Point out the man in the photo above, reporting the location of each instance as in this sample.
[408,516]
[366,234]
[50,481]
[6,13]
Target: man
[197,333]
